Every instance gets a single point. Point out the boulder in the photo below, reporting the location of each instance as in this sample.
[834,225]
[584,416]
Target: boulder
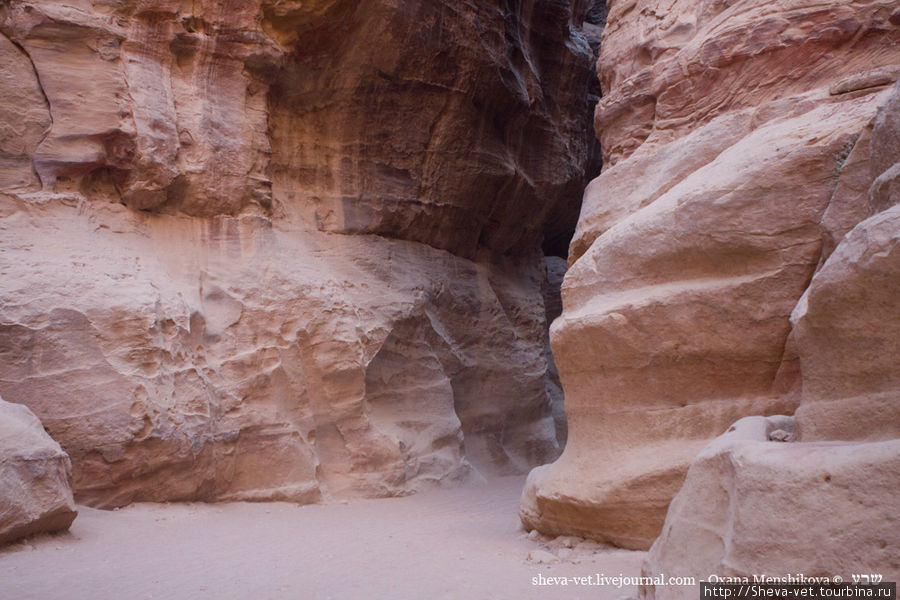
[753,506]
[35,495]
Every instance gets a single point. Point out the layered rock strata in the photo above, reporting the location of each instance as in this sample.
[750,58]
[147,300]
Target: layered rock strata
[846,326]
[736,146]
[823,504]
[35,495]
[274,250]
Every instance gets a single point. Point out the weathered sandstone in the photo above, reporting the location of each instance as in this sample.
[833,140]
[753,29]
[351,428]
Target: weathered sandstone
[754,507]
[737,146]
[274,250]
[846,325]
[465,116]
[848,337]
[822,505]
[35,496]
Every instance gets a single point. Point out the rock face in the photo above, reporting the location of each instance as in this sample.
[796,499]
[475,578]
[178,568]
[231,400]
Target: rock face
[483,103]
[556,271]
[846,326]
[819,504]
[35,496]
[736,139]
[751,506]
[274,250]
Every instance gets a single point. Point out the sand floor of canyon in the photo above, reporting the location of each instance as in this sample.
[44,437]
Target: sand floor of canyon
[454,543]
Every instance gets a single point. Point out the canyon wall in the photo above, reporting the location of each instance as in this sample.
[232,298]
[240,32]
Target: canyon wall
[735,257]
[821,505]
[276,250]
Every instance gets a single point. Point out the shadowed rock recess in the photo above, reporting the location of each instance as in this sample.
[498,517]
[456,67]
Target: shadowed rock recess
[286,250]
[737,256]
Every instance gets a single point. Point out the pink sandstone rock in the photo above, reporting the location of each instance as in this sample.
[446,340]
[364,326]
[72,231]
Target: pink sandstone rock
[846,326]
[275,250]
[822,505]
[735,138]
[35,496]
[751,506]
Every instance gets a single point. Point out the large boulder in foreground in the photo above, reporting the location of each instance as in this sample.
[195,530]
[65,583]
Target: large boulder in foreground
[35,496]
[752,505]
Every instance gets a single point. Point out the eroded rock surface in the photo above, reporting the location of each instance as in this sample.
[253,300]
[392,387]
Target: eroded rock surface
[846,326]
[737,145]
[753,506]
[556,271]
[35,495]
[817,505]
[274,250]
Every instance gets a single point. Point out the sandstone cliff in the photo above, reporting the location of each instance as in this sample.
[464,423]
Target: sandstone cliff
[751,505]
[739,154]
[274,250]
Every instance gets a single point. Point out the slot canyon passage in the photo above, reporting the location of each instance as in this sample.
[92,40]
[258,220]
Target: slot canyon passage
[277,280]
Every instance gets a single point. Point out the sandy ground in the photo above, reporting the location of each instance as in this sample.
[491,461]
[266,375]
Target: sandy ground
[462,543]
